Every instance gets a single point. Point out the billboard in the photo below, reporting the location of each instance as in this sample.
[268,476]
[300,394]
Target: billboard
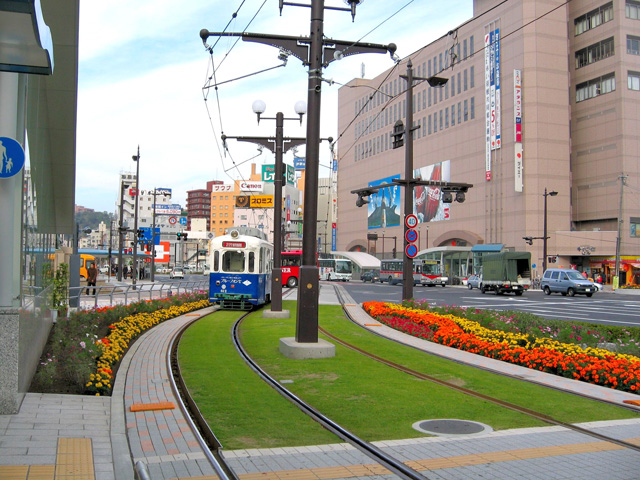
[383,209]
[174,209]
[269,174]
[427,201]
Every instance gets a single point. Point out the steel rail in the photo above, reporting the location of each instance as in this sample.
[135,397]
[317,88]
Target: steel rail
[373,452]
[466,391]
[209,443]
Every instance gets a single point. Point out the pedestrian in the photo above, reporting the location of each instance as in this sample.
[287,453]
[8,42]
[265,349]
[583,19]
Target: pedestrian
[125,271]
[599,279]
[92,277]
[584,274]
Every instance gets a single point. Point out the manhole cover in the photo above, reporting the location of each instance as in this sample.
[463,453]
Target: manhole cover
[447,427]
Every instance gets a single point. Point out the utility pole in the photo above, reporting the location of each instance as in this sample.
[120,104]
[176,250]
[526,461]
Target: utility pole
[315,52]
[136,158]
[622,179]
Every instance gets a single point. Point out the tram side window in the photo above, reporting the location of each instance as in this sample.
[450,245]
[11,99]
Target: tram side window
[216,261]
[233,261]
[252,262]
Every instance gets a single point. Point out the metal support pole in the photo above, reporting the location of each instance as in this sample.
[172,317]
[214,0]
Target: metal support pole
[544,234]
[309,287]
[276,275]
[153,239]
[407,266]
[136,158]
[622,179]
[120,227]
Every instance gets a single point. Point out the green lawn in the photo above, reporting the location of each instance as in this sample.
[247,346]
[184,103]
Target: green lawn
[372,400]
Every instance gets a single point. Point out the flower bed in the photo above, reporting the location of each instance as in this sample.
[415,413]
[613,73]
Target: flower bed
[593,365]
[84,351]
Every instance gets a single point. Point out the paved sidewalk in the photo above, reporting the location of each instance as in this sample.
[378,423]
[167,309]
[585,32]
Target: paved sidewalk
[71,437]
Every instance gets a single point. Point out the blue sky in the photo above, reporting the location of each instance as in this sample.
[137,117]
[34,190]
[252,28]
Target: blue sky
[143,66]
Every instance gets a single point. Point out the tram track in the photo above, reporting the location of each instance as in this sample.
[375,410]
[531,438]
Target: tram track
[212,446]
[496,401]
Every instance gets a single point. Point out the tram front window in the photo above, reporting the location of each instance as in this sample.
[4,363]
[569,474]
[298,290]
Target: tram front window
[233,261]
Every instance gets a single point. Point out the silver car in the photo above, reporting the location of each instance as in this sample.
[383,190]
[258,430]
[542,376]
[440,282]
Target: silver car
[474,281]
[177,272]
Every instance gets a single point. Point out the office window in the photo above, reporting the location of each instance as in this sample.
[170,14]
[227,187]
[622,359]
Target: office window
[424,126]
[464,48]
[466,83]
[595,87]
[633,9]
[440,89]
[428,68]
[441,118]
[595,52]
[446,91]
[424,99]
[595,18]
[466,111]
[472,81]
[440,62]
[452,81]
[459,83]
[633,80]
[435,122]
[633,45]
[459,112]
[404,108]
[429,124]
[471,46]
[453,114]
[446,118]
[429,95]
[473,108]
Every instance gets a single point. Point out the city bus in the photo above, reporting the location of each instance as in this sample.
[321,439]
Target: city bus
[291,262]
[425,272]
[335,269]
[85,262]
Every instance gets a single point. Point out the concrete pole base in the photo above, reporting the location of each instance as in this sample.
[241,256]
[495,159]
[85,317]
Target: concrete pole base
[303,351]
[275,314]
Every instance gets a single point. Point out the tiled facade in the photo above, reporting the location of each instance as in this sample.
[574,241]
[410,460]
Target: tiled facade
[579,132]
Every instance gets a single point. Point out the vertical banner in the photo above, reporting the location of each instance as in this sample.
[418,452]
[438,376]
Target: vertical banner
[487,105]
[492,87]
[498,121]
[517,125]
[518,167]
[517,105]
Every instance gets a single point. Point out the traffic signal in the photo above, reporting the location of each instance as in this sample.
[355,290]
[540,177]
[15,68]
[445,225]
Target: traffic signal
[553,259]
[178,235]
[184,236]
[398,134]
[140,233]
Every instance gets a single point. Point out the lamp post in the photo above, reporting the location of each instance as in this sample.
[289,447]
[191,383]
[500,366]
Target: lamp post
[121,230]
[276,145]
[544,233]
[136,158]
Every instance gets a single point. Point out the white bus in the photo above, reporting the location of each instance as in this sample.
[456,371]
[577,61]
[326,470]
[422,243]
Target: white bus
[335,269]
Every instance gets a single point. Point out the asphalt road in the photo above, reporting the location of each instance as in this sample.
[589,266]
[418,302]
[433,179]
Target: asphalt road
[604,307]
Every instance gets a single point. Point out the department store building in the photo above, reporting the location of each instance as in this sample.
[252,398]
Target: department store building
[542,97]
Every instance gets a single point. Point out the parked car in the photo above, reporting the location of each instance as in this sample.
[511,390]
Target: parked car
[370,276]
[177,272]
[104,269]
[567,282]
[474,281]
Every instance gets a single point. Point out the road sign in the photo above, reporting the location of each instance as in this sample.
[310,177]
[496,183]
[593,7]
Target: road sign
[183,221]
[11,157]
[411,220]
[411,250]
[173,220]
[411,236]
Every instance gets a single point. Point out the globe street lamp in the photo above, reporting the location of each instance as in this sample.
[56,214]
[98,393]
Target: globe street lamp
[544,233]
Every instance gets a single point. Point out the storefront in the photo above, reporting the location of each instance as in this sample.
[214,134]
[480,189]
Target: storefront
[606,266]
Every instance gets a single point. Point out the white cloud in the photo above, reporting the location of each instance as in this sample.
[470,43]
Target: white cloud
[143,66]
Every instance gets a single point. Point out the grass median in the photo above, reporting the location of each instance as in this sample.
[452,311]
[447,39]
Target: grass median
[372,400]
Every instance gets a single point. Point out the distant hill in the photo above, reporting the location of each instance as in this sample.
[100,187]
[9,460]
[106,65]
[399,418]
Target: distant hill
[91,219]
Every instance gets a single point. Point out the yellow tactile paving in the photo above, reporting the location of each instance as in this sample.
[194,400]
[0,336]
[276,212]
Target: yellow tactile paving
[330,473]
[13,472]
[74,460]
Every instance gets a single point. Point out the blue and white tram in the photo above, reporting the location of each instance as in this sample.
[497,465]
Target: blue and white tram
[241,268]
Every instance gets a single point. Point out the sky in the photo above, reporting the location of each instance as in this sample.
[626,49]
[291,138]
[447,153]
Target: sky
[143,70]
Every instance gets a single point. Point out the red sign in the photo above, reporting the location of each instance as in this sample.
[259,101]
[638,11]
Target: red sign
[234,244]
[411,220]
[411,236]
[411,250]
[133,192]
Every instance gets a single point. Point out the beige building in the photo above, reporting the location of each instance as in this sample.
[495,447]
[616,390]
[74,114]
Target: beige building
[542,96]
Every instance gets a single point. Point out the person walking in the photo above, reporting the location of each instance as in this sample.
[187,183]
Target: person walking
[92,277]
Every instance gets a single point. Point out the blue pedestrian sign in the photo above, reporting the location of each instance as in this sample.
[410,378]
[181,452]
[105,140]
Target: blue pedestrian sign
[183,221]
[11,157]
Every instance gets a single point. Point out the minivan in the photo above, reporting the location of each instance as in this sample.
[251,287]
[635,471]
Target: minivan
[567,282]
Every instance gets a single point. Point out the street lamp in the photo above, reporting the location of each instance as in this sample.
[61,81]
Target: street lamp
[136,158]
[276,145]
[544,233]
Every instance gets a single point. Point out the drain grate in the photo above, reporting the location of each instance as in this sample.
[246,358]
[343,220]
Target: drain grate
[451,427]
